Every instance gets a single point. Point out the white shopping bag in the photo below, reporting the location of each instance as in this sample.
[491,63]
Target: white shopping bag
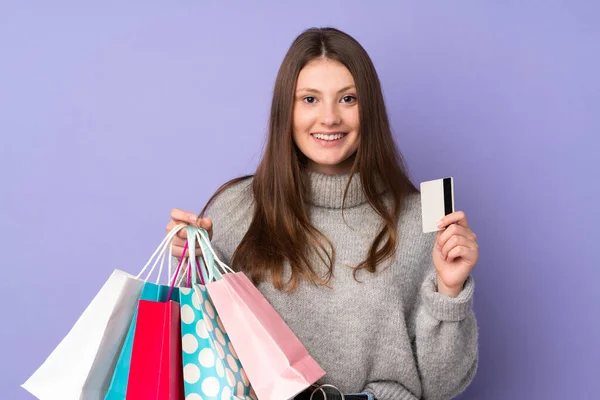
[82,365]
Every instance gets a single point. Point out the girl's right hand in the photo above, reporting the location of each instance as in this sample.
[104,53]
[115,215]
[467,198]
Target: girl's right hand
[179,216]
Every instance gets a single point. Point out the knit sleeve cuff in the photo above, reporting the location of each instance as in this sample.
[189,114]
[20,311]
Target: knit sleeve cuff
[445,308]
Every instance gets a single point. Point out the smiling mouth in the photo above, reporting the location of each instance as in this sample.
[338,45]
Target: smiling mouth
[329,137]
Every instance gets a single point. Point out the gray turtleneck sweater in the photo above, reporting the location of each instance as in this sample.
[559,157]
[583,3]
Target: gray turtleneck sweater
[393,334]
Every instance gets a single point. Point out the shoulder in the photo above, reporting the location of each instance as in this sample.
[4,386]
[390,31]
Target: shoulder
[232,197]
[231,212]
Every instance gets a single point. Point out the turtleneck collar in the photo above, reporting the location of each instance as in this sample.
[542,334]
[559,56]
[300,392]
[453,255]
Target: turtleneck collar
[328,190]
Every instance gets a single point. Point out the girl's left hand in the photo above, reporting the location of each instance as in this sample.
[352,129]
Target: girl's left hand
[455,253]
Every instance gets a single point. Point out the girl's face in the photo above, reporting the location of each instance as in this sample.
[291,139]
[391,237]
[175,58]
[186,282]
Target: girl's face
[325,116]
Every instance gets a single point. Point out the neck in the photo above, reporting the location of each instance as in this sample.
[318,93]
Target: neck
[328,191]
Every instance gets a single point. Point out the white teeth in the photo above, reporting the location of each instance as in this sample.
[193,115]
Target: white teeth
[329,137]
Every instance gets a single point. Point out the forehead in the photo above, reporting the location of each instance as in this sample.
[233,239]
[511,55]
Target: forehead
[324,73]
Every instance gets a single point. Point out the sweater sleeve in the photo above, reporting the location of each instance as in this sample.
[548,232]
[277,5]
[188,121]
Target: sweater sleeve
[444,339]
[442,330]
[444,334]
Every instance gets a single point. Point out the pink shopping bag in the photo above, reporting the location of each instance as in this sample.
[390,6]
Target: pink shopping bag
[276,362]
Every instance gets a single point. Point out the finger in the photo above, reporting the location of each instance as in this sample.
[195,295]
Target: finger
[178,251]
[454,242]
[170,226]
[178,242]
[181,233]
[179,215]
[457,217]
[206,223]
[463,252]
[444,235]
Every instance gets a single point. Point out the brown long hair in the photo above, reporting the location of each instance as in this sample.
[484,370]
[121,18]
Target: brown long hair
[281,229]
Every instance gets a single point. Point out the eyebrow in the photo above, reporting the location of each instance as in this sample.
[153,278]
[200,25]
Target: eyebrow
[317,91]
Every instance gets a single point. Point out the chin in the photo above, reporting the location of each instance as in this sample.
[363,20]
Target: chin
[327,162]
[327,165]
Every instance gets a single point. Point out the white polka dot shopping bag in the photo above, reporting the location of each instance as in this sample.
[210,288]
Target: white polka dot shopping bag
[211,368]
[276,363]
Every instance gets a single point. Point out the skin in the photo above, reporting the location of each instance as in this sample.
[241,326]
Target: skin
[326,103]
[455,253]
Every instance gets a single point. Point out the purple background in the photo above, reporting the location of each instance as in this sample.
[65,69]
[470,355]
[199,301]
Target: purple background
[112,114]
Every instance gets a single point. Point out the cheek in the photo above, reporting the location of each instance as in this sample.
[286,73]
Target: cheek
[353,121]
[299,126]
[302,119]
[355,118]
[351,118]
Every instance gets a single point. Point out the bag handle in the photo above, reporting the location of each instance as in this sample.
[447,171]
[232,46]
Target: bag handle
[191,270]
[159,255]
[198,264]
[208,260]
[179,281]
[213,262]
[172,283]
[210,267]
[320,388]
[182,277]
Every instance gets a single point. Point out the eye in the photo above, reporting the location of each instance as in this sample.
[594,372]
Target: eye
[349,99]
[309,99]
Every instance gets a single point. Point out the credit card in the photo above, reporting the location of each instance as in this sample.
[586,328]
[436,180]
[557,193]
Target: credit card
[437,201]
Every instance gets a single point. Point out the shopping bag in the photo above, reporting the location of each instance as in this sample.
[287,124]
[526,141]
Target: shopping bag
[82,365]
[118,385]
[151,291]
[211,368]
[277,364]
[156,367]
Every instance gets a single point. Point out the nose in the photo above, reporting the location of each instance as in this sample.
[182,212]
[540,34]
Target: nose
[331,115]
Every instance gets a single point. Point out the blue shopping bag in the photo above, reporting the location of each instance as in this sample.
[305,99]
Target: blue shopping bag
[211,368]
